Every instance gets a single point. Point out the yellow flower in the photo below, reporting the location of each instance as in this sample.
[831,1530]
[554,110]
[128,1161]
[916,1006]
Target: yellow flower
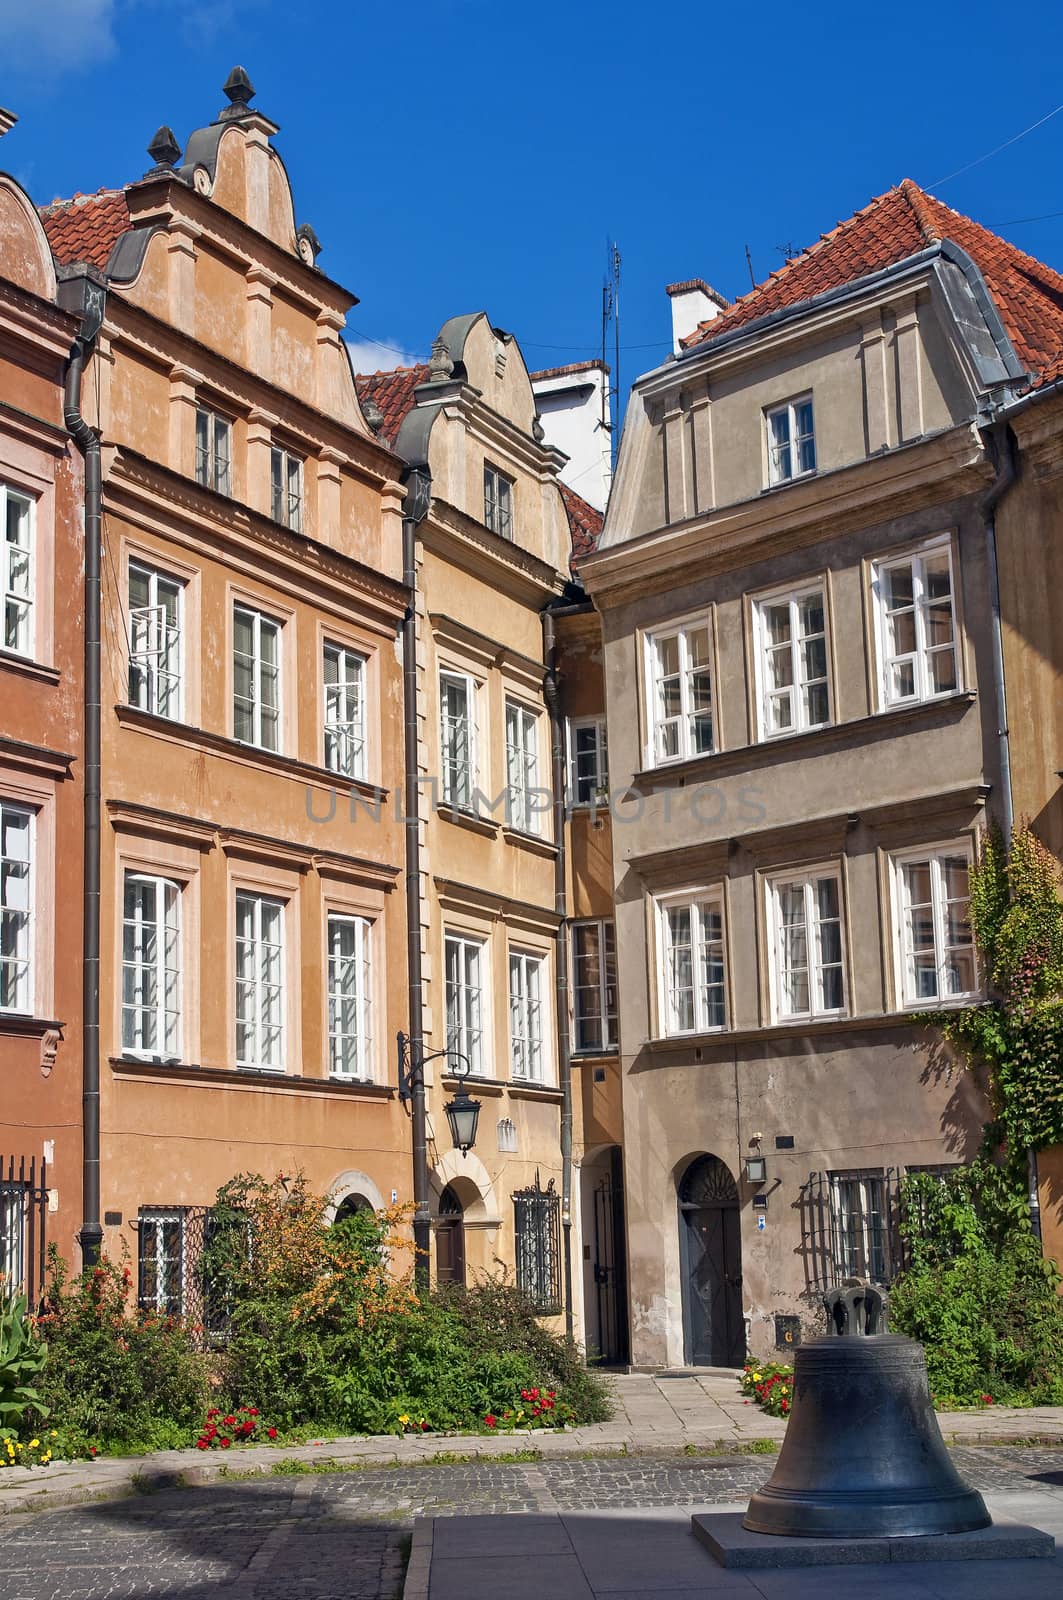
[53,1434]
[34,1443]
[756,1377]
[404,1419]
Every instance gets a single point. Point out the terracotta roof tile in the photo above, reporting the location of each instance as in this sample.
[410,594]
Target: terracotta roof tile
[584,523]
[393,393]
[87,227]
[898,224]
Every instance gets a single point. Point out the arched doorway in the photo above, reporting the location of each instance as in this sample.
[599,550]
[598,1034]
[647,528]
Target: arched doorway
[710,1246]
[450,1239]
[351,1206]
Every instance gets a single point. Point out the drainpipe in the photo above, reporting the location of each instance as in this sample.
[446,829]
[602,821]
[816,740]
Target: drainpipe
[88,296]
[564,1058]
[1002,448]
[418,495]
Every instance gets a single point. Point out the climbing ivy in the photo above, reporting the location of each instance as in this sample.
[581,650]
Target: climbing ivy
[1016,911]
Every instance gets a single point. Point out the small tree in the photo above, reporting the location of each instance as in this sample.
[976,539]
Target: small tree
[1017,920]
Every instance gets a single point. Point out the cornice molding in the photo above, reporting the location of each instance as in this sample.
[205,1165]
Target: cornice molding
[500,562]
[504,908]
[36,759]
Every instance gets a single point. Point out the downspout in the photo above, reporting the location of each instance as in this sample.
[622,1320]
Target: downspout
[1002,448]
[564,1057]
[414,509]
[87,440]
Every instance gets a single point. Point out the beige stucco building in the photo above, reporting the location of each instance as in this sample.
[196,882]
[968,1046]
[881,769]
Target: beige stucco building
[796,586]
[492,552]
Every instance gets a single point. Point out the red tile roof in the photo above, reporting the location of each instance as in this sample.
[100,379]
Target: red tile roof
[87,227]
[584,523]
[898,224]
[393,393]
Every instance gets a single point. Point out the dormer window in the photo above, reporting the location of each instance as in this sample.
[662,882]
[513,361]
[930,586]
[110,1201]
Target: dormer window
[213,450]
[498,501]
[791,440]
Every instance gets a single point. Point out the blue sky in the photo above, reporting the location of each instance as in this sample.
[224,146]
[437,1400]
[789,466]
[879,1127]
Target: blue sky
[464,154]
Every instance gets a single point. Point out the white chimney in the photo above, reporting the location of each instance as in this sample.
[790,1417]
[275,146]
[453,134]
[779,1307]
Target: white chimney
[693,302]
[573,406]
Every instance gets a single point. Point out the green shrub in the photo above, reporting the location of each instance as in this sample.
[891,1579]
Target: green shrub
[114,1378]
[22,1359]
[978,1293]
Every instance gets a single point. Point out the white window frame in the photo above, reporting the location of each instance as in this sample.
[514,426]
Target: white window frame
[855,1258]
[685,717]
[262,1057]
[260,620]
[156,646]
[522,767]
[529,1040]
[286,501]
[498,501]
[800,721]
[345,710]
[214,436]
[698,903]
[599,779]
[607,1019]
[785,469]
[156,1217]
[932,856]
[452,790]
[24,601]
[807,878]
[167,1047]
[358,994]
[22,918]
[469,1034]
[920,656]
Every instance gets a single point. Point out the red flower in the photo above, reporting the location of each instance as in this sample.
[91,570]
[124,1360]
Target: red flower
[271,1433]
[92,1450]
[214,1412]
[225,1443]
[987,1399]
[252,1411]
[424,1427]
[489,1420]
[534,1394]
[202,1444]
[229,1421]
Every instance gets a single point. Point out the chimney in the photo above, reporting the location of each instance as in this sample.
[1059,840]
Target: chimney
[693,302]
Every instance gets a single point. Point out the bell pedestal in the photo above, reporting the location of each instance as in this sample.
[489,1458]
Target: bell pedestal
[863,1455]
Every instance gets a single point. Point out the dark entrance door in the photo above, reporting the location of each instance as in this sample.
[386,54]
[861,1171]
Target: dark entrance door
[609,1275]
[450,1239]
[711,1256]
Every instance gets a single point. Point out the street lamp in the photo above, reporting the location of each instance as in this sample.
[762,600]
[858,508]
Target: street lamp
[462,1112]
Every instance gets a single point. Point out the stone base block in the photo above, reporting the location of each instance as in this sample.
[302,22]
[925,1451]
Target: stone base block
[722,1533]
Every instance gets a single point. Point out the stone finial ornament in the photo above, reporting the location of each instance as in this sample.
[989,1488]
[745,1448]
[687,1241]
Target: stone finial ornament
[373,415]
[165,151]
[7,121]
[538,431]
[241,91]
[441,364]
[307,244]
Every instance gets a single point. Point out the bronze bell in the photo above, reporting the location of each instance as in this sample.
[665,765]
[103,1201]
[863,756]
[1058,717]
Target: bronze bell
[863,1454]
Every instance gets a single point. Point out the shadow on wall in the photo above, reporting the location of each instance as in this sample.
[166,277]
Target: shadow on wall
[967,1108]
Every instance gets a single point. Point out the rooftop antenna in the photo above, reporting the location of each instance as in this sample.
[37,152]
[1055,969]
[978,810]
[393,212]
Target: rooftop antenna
[788,251]
[749,264]
[611,313]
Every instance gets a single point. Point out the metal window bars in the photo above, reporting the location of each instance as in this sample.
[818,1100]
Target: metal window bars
[23,1226]
[537,1233]
[850,1227]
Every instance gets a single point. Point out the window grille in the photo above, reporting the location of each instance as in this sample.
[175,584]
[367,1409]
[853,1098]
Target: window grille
[537,1229]
[850,1226]
[161,1260]
[23,1218]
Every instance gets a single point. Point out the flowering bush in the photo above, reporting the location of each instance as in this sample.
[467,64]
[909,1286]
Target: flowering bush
[408,1424]
[242,1425]
[771,1385]
[35,1452]
[536,1408]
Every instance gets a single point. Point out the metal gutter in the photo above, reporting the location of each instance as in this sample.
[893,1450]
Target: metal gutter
[564,1056]
[87,295]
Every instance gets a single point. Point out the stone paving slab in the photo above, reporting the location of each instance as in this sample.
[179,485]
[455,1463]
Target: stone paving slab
[733,1545]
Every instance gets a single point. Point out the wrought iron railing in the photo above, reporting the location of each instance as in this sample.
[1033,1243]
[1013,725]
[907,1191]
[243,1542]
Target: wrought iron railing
[850,1227]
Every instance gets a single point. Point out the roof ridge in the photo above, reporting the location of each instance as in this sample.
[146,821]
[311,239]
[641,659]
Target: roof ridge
[389,372]
[917,201]
[61,202]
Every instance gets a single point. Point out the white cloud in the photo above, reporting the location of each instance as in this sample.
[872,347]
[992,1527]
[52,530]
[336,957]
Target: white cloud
[57,35]
[368,355]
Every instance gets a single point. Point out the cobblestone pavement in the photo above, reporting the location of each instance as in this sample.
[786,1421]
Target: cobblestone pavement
[342,1536]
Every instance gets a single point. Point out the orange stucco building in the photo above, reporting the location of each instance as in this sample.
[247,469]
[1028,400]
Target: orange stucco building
[252,943]
[40,743]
